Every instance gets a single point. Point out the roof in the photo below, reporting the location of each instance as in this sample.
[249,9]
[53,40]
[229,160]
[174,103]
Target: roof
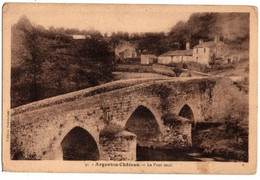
[210,44]
[78,36]
[126,43]
[178,53]
[149,55]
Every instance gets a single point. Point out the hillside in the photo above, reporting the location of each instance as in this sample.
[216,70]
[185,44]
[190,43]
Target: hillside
[48,63]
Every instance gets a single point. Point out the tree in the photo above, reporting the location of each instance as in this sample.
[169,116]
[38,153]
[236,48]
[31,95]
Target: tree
[26,70]
[114,40]
[47,63]
[180,33]
[152,42]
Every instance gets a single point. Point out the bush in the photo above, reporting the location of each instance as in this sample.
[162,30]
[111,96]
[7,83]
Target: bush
[222,66]
[230,140]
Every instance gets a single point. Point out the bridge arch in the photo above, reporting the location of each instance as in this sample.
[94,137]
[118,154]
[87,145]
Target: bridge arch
[154,112]
[186,112]
[57,149]
[189,111]
[79,144]
[144,123]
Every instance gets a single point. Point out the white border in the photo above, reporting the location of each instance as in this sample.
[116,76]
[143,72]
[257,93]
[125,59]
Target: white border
[67,176]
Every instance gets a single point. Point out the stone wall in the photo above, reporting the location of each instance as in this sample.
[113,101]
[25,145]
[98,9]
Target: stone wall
[177,136]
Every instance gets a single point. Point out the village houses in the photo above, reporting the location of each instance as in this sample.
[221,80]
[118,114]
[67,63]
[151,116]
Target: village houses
[126,50]
[203,53]
[176,56]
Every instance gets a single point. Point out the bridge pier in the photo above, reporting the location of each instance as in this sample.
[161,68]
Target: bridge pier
[119,146]
[54,155]
[176,133]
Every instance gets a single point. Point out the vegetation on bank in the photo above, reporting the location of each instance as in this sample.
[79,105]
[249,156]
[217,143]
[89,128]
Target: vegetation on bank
[229,140]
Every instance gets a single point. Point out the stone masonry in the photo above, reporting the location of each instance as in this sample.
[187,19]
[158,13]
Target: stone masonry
[37,129]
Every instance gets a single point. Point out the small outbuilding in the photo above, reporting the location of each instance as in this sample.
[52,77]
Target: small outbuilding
[176,56]
[126,50]
[148,59]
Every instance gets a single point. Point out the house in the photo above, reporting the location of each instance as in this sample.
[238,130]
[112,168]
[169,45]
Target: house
[78,36]
[176,56]
[126,50]
[208,52]
[148,59]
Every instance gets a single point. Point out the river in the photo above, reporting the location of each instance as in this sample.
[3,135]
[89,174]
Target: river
[156,154]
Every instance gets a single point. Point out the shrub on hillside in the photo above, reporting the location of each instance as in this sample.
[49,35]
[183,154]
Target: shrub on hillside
[230,141]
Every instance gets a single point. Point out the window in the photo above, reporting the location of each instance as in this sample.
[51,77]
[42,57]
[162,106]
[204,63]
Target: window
[197,50]
[204,50]
[197,58]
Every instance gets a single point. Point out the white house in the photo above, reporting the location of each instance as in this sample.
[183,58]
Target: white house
[207,52]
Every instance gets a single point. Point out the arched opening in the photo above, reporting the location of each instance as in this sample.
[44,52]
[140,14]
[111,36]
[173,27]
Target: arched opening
[143,124]
[186,112]
[78,144]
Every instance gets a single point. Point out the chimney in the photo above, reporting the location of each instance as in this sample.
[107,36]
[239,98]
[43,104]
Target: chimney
[200,41]
[187,45]
[216,39]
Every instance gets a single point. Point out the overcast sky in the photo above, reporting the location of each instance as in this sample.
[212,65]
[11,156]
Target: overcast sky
[103,18]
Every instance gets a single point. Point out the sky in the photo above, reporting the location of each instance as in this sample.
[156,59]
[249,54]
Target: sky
[104,18]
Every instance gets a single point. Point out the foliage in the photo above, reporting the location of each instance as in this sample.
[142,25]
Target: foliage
[234,105]
[215,142]
[153,43]
[47,63]
[231,139]
[233,28]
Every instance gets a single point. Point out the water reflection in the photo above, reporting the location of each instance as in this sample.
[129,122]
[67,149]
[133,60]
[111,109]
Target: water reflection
[157,154]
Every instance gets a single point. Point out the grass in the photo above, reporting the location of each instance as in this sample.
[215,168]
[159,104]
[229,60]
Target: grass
[136,75]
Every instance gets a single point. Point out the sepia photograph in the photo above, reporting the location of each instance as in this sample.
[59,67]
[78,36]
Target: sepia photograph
[129,87]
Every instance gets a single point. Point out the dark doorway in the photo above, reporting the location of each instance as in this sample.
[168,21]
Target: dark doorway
[78,144]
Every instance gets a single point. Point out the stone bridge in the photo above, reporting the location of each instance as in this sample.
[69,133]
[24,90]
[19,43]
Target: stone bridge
[109,121]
